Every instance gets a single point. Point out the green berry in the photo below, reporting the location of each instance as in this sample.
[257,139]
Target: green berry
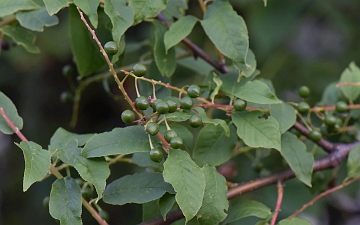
[169,134]
[156,155]
[176,142]
[46,201]
[67,71]
[152,128]
[195,121]
[335,128]
[128,116]
[87,193]
[139,70]
[315,135]
[330,120]
[172,106]
[257,166]
[66,97]
[142,103]
[186,102]
[161,107]
[341,106]
[80,182]
[303,107]
[153,104]
[240,105]
[104,215]
[193,91]
[111,48]
[304,92]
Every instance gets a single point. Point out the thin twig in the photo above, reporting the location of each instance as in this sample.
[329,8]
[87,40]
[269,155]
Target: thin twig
[279,201]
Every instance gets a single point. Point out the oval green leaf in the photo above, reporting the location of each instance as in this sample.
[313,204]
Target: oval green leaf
[10,110]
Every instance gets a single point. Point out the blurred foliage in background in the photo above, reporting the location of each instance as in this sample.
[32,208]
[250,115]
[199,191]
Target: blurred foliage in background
[304,42]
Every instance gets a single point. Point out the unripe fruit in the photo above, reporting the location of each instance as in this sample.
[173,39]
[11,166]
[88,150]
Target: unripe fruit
[139,70]
[80,182]
[156,155]
[5,45]
[154,103]
[111,48]
[152,128]
[304,92]
[87,193]
[176,142]
[168,135]
[330,120]
[195,121]
[240,105]
[193,91]
[341,106]
[46,201]
[172,106]
[66,97]
[67,71]
[162,107]
[315,135]
[142,103]
[303,107]
[186,102]
[128,116]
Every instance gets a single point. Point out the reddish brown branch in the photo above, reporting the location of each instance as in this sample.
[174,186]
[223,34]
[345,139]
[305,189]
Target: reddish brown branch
[279,201]
[12,125]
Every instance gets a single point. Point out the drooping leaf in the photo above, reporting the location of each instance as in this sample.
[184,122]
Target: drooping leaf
[118,141]
[179,30]
[227,30]
[95,170]
[8,7]
[256,131]
[213,147]
[284,114]
[187,179]
[10,110]
[150,210]
[35,20]
[294,221]
[247,69]
[137,188]
[166,202]
[144,9]
[89,7]
[215,201]
[256,92]
[231,82]
[300,161]
[121,15]
[21,36]
[37,163]
[218,83]
[65,201]
[86,52]
[176,8]
[247,208]
[350,76]
[165,60]
[54,6]
[353,163]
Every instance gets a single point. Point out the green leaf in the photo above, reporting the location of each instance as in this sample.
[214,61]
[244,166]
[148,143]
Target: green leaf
[284,114]
[121,15]
[300,161]
[256,131]
[197,65]
[249,68]
[350,75]
[144,9]
[231,82]
[179,30]
[217,122]
[294,221]
[35,20]
[256,92]
[166,202]
[96,170]
[165,60]
[187,179]
[213,147]
[37,163]
[118,141]
[178,116]
[215,200]
[218,83]
[142,159]
[227,30]
[137,188]
[21,36]
[330,94]
[54,6]
[150,210]
[247,208]
[353,163]
[8,7]
[61,138]
[10,110]
[86,52]
[89,7]
[176,8]
[65,201]
[182,132]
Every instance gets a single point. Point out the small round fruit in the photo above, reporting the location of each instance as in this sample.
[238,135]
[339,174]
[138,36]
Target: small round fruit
[156,155]
[162,107]
[142,103]
[111,48]
[154,103]
[168,135]
[46,201]
[335,128]
[341,106]
[87,193]
[139,70]
[152,128]
[172,106]
[66,97]
[315,135]
[104,215]
[186,102]
[176,142]
[128,116]
[193,91]
[330,120]
[5,45]
[195,121]
[240,105]
[304,91]
[257,166]
[303,107]
[80,182]
[67,71]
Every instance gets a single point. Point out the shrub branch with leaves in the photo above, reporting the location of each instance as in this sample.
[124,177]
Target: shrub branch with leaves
[180,179]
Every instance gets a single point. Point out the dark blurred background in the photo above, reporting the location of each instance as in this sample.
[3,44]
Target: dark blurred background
[304,42]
